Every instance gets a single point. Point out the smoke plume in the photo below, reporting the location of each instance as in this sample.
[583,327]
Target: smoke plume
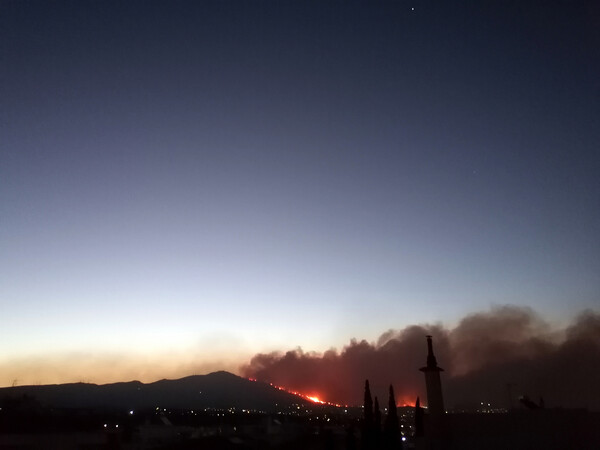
[492,357]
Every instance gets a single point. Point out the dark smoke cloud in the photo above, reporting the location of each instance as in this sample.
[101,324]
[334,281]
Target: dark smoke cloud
[493,357]
[503,335]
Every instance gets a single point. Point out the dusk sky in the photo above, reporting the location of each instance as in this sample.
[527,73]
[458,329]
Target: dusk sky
[186,184]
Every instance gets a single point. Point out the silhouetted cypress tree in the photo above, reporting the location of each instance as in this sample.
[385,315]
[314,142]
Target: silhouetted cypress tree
[392,428]
[367,432]
[419,428]
[368,406]
[377,415]
[376,424]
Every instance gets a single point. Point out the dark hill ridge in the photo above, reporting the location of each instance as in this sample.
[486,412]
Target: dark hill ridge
[215,390]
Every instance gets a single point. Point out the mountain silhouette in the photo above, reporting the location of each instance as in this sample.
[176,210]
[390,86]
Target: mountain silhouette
[215,390]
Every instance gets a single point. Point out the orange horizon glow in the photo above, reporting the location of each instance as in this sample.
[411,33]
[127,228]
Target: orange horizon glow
[405,401]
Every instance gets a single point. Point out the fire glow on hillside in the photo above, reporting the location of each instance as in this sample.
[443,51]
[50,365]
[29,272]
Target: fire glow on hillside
[311,398]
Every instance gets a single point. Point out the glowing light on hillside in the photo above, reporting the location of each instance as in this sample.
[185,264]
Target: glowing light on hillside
[405,401]
[312,398]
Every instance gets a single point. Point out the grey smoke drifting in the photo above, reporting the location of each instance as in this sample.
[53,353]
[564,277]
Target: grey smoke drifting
[491,357]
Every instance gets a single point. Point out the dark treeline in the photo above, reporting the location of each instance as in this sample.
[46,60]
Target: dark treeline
[374,436]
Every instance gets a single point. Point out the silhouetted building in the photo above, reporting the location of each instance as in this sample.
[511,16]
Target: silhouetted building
[435,400]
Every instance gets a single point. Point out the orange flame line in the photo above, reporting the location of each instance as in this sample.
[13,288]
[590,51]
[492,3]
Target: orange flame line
[311,398]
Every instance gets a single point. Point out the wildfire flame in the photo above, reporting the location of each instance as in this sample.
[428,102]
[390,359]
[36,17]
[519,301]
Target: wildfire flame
[405,401]
[312,398]
[400,401]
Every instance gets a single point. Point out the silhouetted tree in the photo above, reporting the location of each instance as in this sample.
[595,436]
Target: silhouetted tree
[419,428]
[392,429]
[376,415]
[368,406]
[368,421]
[376,424]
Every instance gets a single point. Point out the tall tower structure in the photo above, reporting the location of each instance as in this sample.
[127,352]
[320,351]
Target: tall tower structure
[435,400]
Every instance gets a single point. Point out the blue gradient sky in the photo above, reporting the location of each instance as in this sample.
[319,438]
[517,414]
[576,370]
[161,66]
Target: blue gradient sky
[185,184]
